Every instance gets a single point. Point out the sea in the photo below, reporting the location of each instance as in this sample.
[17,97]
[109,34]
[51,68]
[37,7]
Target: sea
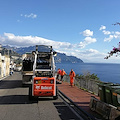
[106,72]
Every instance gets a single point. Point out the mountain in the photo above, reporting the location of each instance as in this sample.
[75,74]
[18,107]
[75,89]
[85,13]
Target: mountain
[63,58]
[8,51]
[60,58]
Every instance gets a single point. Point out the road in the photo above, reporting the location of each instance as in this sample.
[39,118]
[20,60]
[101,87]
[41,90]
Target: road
[15,105]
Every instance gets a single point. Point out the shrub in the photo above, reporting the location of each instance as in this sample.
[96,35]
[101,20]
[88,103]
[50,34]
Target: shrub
[87,76]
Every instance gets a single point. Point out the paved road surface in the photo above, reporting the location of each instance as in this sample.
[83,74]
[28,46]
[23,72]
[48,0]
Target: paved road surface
[14,103]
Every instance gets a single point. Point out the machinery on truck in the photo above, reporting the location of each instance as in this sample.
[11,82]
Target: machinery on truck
[41,72]
[27,68]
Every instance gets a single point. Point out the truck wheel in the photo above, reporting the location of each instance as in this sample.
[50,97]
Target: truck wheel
[56,97]
[30,92]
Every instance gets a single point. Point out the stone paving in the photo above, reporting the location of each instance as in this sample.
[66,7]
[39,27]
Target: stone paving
[78,96]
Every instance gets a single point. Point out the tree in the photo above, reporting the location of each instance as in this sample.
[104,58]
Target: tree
[114,51]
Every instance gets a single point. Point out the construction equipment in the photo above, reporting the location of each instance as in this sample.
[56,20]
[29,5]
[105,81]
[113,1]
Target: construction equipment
[42,75]
[107,111]
[27,68]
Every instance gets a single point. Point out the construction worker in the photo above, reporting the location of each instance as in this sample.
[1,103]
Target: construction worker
[58,73]
[72,77]
[62,74]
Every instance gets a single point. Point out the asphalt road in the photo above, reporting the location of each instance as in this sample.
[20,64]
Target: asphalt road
[15,105]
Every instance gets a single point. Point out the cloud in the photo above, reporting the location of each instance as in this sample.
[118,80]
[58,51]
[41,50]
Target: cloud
[92,55]
[112,35]
[64,47]
[109,38]
[106,32]
[90,51]
[31,15]
[117,33]
[87,41]
[88,55]
[102,27]
[90,40]
[25,41]
[87,33]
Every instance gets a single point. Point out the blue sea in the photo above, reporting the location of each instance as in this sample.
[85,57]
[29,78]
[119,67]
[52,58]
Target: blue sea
[104,71]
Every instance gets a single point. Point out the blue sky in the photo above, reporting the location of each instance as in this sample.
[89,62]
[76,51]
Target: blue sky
[82,28]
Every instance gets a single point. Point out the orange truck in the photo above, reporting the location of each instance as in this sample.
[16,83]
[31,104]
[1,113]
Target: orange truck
[42,80]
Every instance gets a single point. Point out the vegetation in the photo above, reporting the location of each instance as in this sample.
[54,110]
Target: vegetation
[114,51]
[87,76]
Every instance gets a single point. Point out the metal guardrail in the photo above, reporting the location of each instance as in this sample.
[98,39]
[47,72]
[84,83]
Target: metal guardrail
[85,84]
[88,85]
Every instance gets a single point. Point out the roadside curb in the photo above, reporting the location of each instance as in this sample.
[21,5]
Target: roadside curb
[82,111]
[4,77]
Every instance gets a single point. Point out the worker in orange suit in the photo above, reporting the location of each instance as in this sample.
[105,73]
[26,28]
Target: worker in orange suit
[58,73]
[62,74]
[72,77]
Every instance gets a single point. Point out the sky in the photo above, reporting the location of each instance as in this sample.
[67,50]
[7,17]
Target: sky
[81,28]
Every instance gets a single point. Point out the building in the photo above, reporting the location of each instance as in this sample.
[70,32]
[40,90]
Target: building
[4,65]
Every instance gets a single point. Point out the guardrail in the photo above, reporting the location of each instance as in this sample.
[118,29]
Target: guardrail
[89,85]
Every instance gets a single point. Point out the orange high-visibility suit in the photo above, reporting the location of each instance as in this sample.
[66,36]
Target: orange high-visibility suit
[63,73]
[58,73]
[72,75]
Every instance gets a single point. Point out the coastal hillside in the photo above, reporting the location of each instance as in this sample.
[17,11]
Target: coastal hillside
[63,58]
[60,58]
[9,51]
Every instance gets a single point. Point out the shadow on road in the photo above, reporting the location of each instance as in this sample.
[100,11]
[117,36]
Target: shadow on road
[10,84]
[64,111]
[16,99]
[21,99]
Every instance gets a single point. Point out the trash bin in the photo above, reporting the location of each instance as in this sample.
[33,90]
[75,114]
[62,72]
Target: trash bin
[109,91]
[101,90]
[116,97]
